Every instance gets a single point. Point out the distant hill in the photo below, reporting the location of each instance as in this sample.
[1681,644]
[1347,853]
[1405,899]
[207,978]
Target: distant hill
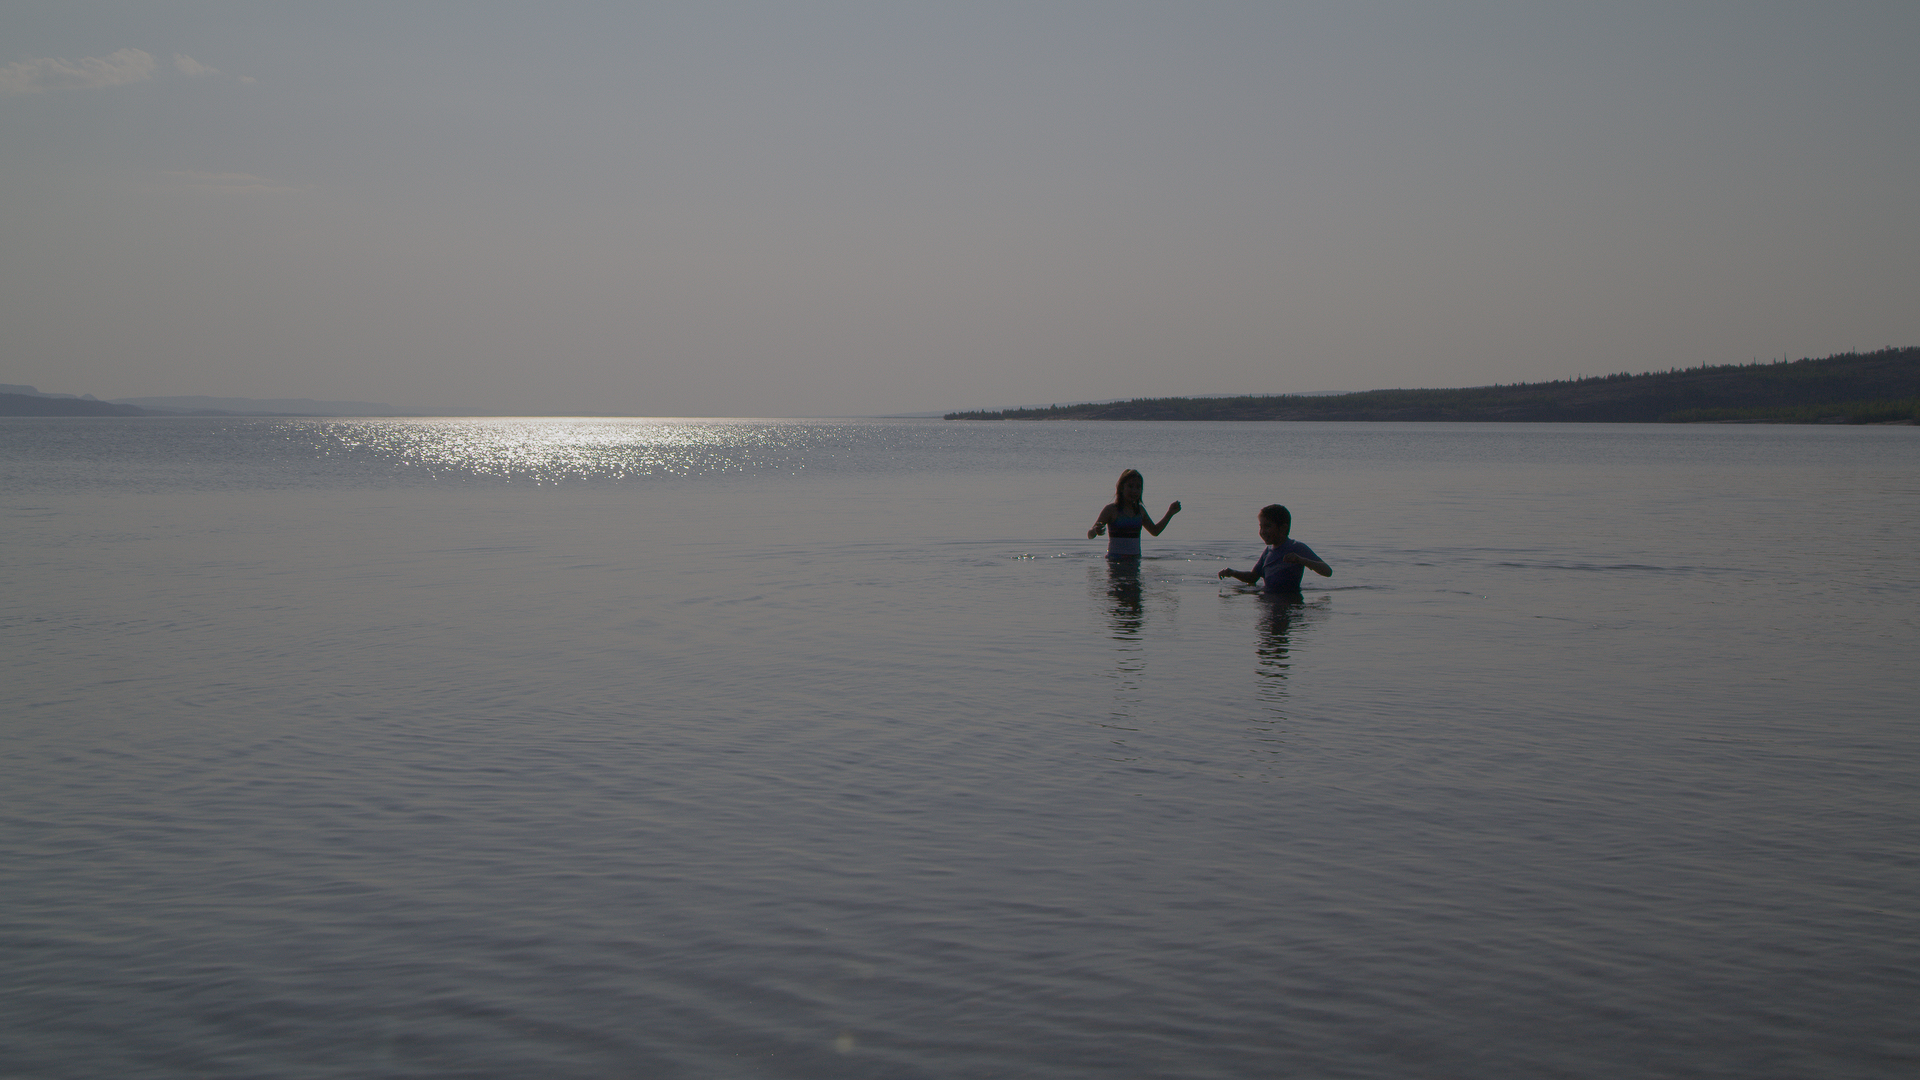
[48,405]
[19,400]
[1876,387]
[1005,409]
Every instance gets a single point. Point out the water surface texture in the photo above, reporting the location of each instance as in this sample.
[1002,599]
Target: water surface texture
[655,748]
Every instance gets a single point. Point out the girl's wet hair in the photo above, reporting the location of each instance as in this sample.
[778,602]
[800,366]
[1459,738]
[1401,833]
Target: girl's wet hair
[1130,474]
[1279,515]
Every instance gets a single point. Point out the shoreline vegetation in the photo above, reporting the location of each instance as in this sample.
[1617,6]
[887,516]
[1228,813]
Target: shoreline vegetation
[1880,387]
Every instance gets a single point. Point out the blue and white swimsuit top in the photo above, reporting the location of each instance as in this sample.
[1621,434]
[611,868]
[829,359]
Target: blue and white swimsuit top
[1123,534]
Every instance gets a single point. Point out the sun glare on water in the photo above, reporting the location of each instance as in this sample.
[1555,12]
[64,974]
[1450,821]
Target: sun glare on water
[551,450]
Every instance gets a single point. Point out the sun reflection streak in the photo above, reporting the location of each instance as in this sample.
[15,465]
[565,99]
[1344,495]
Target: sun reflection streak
[552,450]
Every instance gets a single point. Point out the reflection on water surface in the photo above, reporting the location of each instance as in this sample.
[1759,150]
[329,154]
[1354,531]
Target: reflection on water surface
[552,450]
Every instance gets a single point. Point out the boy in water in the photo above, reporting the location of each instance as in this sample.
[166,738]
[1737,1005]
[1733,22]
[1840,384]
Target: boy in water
[1284,560]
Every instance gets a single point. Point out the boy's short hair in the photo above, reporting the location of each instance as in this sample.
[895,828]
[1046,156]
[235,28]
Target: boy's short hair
[1278,515]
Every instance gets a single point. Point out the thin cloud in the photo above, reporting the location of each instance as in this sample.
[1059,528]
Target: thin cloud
[91,72]
[192,68]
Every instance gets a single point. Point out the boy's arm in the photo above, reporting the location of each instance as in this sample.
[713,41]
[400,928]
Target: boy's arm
[1253,575]
[1314,565]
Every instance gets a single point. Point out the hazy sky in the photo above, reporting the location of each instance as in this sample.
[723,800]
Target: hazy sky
[826,208]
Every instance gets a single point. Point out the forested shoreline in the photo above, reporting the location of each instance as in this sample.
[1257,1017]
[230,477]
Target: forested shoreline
[1848,388]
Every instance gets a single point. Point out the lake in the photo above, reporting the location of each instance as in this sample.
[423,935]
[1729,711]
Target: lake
[773,748]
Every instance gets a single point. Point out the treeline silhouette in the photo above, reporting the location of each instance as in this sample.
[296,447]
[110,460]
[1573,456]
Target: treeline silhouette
[1855,388]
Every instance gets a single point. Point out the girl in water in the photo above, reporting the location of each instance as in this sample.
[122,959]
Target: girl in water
[1127,517]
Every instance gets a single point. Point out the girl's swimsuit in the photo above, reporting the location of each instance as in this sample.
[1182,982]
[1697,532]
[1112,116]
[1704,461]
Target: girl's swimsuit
[1123,535]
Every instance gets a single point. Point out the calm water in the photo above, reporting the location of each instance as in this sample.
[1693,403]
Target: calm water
[559,748]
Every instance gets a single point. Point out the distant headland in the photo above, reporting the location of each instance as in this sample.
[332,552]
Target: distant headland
[19,400]
[26,401]
[1848,388]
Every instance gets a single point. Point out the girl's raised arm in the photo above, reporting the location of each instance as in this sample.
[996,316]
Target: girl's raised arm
[1155,529]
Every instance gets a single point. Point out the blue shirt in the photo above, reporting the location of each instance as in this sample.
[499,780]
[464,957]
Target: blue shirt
[1279,576]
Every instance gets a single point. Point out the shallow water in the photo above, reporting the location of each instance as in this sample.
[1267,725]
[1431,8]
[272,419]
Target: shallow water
[792,749]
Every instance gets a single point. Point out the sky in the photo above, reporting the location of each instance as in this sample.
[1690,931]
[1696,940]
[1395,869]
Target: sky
[799,209]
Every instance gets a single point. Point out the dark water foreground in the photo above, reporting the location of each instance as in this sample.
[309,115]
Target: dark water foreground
[790,750]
